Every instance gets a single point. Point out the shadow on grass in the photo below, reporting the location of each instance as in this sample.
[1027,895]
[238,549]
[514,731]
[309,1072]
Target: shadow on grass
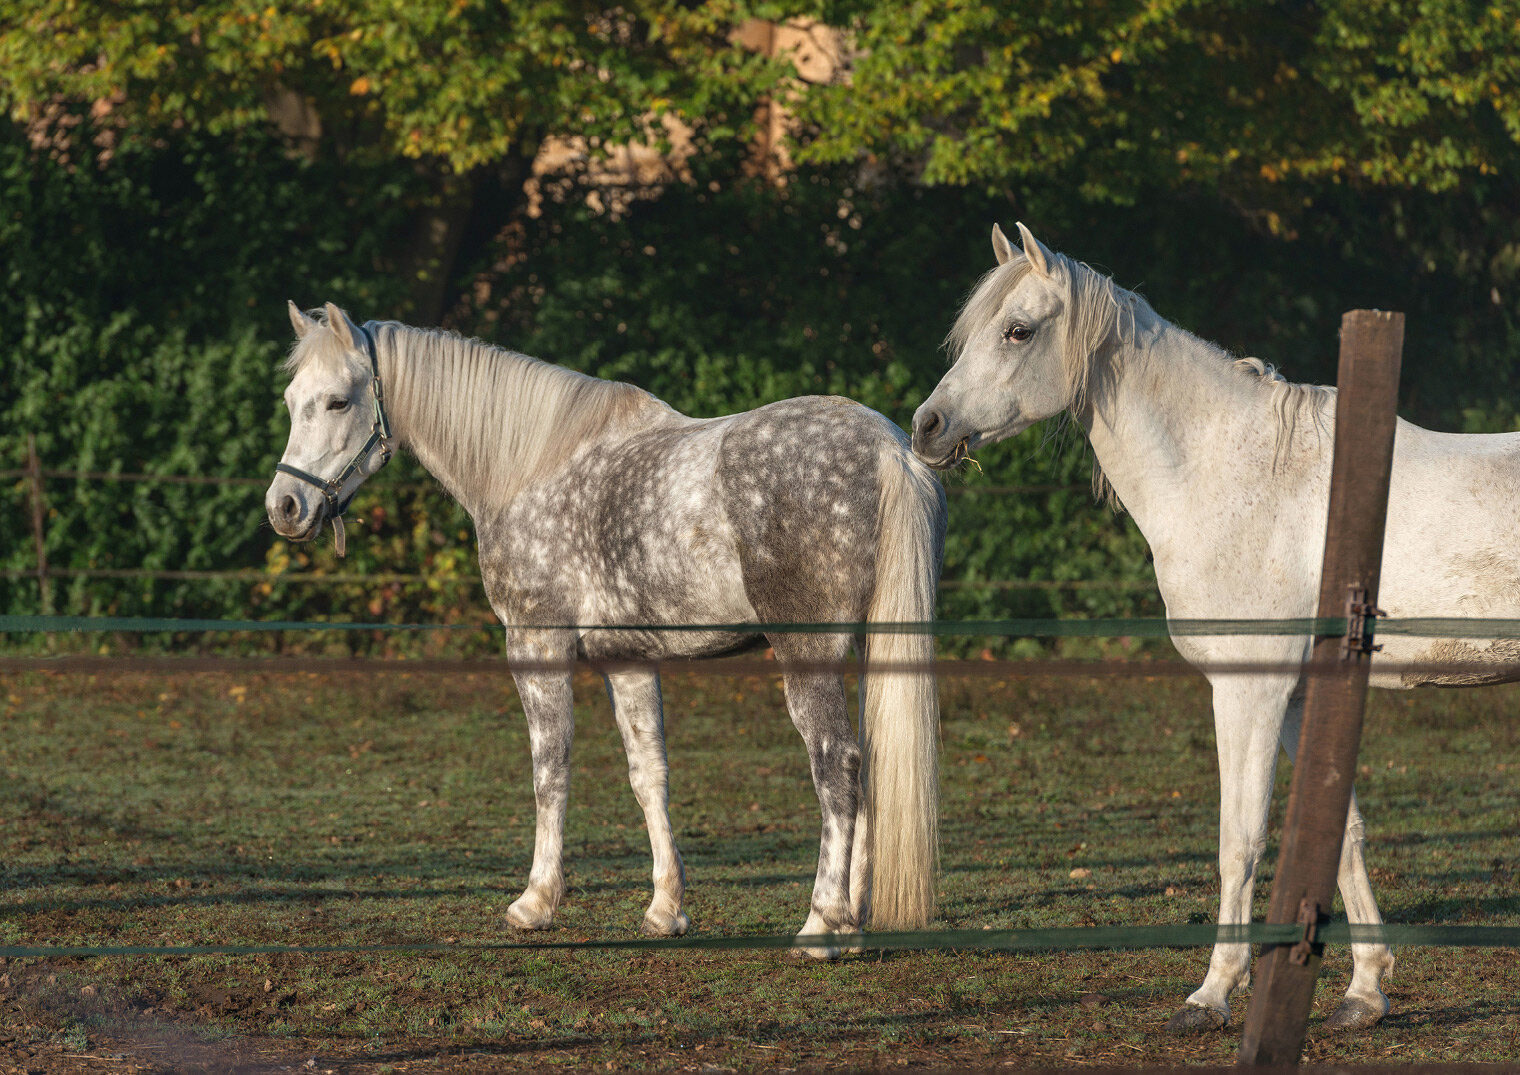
[1456,1016]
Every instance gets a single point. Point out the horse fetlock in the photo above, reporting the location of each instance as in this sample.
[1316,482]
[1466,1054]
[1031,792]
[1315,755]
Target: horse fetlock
[821,924]
[665,918]
[1376,964]
[860,910]
[836,916]
[664,924]
[848,943]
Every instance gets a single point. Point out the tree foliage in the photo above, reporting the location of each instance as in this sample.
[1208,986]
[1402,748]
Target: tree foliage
[1117,95]
[464,82]
[1257,167]
[460,93]
[1122,95]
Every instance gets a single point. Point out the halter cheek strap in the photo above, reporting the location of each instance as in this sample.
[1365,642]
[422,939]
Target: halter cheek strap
[379,434]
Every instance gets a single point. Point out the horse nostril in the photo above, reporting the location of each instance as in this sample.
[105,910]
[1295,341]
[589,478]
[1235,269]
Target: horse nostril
[289,508]
[931,425]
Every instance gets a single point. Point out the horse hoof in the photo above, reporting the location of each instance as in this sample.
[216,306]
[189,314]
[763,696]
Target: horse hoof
[1196,1019]
[665,927]
[814,953]
[1354,1015]
[527,918]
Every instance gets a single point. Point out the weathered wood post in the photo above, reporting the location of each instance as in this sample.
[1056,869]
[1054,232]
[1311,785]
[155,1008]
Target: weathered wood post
[39,513]
[1371,350]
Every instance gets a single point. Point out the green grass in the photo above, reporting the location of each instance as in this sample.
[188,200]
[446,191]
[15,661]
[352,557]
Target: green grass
[374,809]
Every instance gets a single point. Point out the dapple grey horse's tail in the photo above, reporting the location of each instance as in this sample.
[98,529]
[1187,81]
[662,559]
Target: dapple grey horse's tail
[900,724]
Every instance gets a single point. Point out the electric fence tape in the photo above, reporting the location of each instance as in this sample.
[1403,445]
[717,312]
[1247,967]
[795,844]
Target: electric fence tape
[996,940]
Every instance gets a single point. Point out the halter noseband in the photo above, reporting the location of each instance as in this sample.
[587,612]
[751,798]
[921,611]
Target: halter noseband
[379,434]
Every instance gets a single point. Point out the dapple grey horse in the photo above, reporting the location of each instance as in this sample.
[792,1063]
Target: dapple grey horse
[603,516]
[1225,468]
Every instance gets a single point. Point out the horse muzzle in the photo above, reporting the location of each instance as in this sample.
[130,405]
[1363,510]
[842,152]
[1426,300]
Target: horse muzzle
[294,517]
[934,441]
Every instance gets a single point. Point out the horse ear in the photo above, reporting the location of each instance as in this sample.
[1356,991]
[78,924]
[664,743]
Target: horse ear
[298,320]
[342,327]
[1002,249]
[1037,254]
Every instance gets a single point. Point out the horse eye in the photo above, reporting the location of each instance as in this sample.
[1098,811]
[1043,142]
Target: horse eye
[339,404]
[1017,332]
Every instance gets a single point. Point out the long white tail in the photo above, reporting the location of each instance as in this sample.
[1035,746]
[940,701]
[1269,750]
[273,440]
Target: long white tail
[900,726]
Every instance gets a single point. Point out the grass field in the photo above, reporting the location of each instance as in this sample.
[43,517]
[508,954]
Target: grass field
[215,809]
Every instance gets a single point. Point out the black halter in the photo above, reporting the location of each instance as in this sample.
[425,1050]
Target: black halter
[379,433]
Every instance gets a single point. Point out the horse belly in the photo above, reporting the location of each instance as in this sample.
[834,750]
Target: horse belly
[656,645]
[1446,662]
[688,581]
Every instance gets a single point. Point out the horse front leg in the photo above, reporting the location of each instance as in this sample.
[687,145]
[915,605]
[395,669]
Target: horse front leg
[640,718]
[546,701]
[1248,718]
[816,702]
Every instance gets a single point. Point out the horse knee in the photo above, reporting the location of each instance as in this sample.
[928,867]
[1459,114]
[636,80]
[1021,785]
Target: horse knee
[1244,858]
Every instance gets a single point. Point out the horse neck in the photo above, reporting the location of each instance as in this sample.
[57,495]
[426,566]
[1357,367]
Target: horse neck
[488,423]
[1162,408]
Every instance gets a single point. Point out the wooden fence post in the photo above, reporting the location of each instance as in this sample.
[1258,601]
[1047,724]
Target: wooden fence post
[34,476]
[1371,350]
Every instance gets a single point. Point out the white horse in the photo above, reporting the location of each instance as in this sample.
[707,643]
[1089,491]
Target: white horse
[1225,468]
[595,504]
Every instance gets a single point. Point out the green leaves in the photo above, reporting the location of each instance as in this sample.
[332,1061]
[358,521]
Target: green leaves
[1122,96]
[460,81]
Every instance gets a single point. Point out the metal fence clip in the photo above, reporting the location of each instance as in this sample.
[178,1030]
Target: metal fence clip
[1308,917]
[1361,615]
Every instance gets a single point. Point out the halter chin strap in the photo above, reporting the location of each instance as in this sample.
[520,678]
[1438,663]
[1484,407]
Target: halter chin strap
[379,434]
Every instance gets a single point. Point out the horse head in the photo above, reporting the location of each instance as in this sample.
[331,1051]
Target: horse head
[339,433]
[1010,350]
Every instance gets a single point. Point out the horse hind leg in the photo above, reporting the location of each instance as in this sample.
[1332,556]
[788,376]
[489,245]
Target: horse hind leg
[816,701]
[1365,1003]
[639,712]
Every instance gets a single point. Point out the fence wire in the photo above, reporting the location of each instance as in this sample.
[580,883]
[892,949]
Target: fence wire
[1133,627]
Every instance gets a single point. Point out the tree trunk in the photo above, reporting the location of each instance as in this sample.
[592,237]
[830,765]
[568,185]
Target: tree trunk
[455,233]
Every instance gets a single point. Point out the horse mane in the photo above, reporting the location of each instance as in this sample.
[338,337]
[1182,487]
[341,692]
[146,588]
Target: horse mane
[1101,315]
[497,420]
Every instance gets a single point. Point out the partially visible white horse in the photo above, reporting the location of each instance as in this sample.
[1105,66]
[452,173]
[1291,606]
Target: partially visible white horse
[1225,468]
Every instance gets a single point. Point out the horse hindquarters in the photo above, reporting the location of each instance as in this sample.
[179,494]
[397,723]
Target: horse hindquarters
[845,530]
